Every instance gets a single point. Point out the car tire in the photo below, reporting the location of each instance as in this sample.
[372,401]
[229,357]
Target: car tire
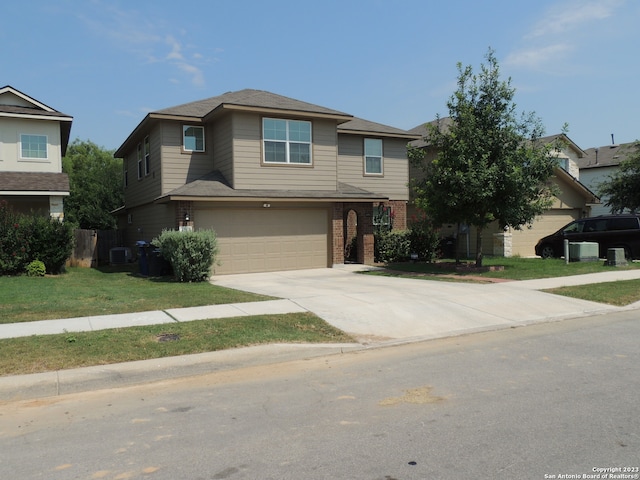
[547,251]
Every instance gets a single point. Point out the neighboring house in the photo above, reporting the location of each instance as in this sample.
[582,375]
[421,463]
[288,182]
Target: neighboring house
[598,164]
[284,183]
[574,201]
[33,140]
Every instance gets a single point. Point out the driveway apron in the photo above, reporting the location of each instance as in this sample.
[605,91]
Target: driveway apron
[379,308]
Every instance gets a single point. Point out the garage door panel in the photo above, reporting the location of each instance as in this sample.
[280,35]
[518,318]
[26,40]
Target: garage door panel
[524,241]
[257,240]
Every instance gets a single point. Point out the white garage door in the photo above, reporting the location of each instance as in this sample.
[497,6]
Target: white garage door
[524,241]
[267,239]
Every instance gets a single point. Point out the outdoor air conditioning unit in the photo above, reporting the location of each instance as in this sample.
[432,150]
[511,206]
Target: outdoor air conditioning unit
[583,252]
[120,255]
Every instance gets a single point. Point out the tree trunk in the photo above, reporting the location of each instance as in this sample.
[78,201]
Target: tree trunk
[457,255]
[479,247]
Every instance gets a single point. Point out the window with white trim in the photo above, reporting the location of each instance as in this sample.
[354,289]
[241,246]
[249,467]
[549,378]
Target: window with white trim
[192,138]
[33,146]
[147,154]
[373,156]
[139,161]
[286,141]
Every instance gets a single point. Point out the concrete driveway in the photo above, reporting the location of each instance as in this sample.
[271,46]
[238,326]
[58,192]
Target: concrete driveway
[376,308]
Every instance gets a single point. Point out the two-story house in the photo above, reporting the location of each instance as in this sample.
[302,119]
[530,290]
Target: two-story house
[33,140]
[573,200]
[599,164]
[283,183]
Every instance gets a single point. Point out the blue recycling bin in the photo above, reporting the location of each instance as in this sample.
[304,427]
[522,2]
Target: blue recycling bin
[143,261]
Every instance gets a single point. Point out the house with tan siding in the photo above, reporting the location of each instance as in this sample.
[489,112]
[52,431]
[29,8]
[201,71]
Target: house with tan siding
[33,140]
[574,200]
[285,184]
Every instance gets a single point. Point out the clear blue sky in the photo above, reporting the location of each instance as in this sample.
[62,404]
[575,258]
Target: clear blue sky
[109,62]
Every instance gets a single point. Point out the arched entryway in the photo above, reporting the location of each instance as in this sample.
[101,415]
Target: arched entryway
[351,236]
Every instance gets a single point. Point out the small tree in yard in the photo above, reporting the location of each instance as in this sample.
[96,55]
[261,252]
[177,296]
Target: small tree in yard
[95,178]
[623,187]
[490,165]
[191,254]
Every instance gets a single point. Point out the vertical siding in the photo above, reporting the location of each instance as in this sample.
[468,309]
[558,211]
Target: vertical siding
[179,168]
[393,183]
[249,172]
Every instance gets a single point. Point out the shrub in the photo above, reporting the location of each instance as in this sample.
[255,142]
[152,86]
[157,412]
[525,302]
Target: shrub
[14,241]
[191,254]
[424,238]
[36,268]
[398,245]
[391,246]
[51,241]
[24,238]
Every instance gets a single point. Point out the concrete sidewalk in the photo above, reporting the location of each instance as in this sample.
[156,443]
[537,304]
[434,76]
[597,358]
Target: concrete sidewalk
[376,310]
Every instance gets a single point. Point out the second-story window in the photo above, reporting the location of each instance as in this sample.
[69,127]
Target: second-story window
[192,138]
[139,154]
[286,141]
[147,154]
[33,146]
[372,156]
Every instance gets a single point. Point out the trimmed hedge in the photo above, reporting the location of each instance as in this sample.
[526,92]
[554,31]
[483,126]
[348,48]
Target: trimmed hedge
[191,254]
[422,238]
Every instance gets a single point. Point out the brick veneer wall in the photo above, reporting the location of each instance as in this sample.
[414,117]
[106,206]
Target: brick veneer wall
[184,208]
[337,234]
[399,209]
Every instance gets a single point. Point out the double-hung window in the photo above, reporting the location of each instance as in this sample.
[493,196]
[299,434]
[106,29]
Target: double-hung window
[33,147]
[286,141]
[192,138]
[147,153]
[373,156]
[139,161]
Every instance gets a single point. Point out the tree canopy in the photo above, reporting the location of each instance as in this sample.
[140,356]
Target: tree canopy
[490,164]
[623,187]
[95,179]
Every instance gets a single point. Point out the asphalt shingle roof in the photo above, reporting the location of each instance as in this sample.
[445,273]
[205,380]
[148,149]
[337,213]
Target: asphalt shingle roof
[215,185]
[606,156]
[247,98]
[34,182]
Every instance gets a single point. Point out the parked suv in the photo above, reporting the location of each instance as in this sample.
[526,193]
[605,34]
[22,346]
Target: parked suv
[609,231]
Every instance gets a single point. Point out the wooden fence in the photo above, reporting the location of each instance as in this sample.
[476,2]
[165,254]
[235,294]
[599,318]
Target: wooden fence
[92,247]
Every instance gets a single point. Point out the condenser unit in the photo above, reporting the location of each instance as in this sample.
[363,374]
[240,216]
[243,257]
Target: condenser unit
[120,255]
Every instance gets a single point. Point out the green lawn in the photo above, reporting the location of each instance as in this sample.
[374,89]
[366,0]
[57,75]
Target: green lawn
[83,292]
[41,353]
[88,291]
[514,268]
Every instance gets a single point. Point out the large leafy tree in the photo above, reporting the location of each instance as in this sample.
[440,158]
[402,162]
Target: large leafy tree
[623,187]
[490,164]
[95,179]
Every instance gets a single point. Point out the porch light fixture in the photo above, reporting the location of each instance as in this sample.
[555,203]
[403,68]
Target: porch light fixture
[266,205]
[186,217]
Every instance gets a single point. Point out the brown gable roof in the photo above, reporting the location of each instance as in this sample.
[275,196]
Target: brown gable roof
[34,182]
[255,99]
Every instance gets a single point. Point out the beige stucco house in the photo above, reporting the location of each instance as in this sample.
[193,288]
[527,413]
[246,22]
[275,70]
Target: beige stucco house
[573,201]
[284,183]
[33,140]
